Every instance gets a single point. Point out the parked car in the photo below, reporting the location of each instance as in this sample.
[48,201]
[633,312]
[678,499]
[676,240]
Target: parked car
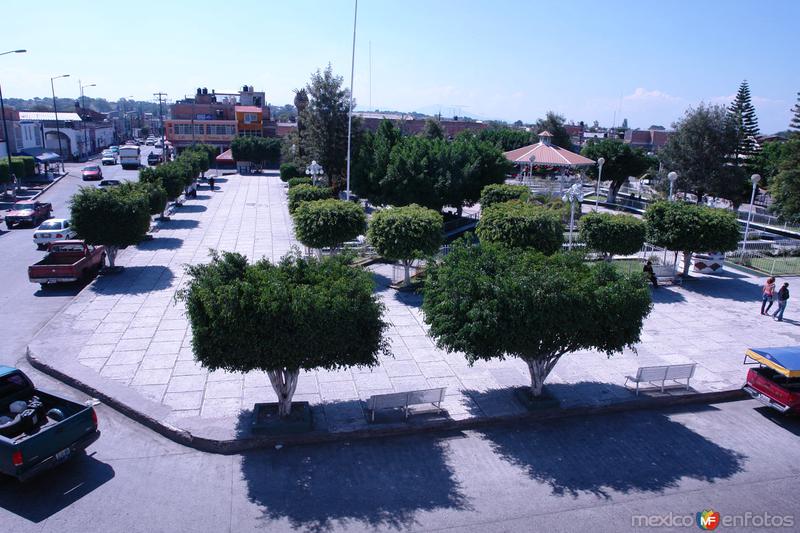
[38,429]
[67,261]
[55,229]
[92,172]
[28,213]
[776,381]
[154,158]
[114,149]
[109,158]
[150,141]
[109,183]
[159,144]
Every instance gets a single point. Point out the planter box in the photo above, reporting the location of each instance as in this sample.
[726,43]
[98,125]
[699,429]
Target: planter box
[708,263]
[267,422]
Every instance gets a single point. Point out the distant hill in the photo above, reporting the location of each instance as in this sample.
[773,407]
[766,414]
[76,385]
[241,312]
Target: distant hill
[101,105]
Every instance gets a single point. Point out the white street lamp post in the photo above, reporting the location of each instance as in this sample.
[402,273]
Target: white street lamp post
[600,162]
[672,176]
[754,179]
[314,170]
[573,195]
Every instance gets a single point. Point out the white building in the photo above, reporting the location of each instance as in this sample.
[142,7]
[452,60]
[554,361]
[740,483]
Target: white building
[76,136]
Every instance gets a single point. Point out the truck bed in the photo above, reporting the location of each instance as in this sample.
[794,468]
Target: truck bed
[60,260]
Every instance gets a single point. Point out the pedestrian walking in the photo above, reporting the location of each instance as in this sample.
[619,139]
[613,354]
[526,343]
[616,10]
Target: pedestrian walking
[783,298]
[767,295]
[648,270]
[211,183]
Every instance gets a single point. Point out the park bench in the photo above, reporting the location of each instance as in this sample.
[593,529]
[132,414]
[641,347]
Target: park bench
[403,400]
[666,274]
[655,374]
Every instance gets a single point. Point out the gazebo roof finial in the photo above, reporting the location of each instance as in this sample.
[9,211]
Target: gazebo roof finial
[545,137]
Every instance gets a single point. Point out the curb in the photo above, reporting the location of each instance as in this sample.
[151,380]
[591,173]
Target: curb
[234,446]
[49,185]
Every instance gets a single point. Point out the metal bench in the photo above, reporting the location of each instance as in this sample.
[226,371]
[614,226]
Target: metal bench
[403,400]
[666,274]
[655,374]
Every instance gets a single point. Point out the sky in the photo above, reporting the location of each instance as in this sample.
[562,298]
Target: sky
[586,59]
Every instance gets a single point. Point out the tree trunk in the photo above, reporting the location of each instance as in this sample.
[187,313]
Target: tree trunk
[459,210]
[539,370]
[687,260]
[111,254]
[284,383]
[407,267]
[613,188]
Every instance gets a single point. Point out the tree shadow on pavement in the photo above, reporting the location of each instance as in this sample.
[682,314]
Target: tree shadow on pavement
[54,490]
[725,288]
[380,484]
[192,208]
[161,243]
[179,223]
[666,295]
[135,280]
[624,452]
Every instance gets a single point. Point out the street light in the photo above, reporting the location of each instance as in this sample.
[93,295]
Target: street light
[573,195]
[314,170]
[600,162]
[83,121]
[754,179]
[672,176]
[55,111]
[3,113]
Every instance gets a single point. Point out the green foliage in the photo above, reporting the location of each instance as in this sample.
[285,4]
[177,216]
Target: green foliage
[289,171]
[328,223]
[612,234]
[18,168]
[785,186]
[406,233]
[554,123]
[173,177]
[156,196]
[294,182]
[197,160]
[743,115]
[500,192]
[621,162]
[493,302]
[368,172]
[769,161]
[5,175]
[307,193]
[506,139]
[794,124]
[518,225]
[297,315]
[257,150]
[432,129]
[210,152]
[24,166]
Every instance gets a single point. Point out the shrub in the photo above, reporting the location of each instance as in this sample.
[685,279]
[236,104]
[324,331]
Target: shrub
[294,182]
[28,166]
[500,192]
[289,171]
[307,193]
[519,225]
[328,223]
[612,234]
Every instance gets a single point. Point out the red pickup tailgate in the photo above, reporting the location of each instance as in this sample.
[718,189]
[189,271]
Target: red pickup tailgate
[763,381]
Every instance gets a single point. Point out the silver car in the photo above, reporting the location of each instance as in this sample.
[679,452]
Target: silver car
[55,229]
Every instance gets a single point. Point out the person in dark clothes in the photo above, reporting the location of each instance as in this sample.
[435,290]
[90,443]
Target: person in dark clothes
[211,183]
[648,270]
[783,298]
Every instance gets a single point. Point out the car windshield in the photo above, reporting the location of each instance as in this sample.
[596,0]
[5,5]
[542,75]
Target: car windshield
[51,224]
[91,169]
[20,206]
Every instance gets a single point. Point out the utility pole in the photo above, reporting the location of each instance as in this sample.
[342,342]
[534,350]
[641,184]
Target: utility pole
[161,120]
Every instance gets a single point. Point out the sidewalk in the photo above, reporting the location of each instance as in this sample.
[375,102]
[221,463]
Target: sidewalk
[125,338]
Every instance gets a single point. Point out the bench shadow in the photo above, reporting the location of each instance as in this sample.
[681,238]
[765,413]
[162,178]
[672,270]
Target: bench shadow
[161,243]
[624,452]
[179,223]
[334,486]
[135,280]
[666,295]
[192,208]
[202,197]
[55,490]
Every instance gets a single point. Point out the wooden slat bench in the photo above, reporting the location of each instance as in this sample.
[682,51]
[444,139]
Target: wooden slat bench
[403,400]
[655,374]
[666,274]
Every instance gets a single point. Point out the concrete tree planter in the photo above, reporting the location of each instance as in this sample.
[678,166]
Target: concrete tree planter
[545,401]
[267,422]
[708,263]
[111,271]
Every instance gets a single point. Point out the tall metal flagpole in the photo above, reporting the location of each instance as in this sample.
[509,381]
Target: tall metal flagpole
[350,112]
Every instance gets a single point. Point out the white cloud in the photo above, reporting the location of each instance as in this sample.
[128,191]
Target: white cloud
[642,94]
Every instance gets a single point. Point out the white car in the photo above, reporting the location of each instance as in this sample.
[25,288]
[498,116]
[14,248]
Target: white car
[109,158]
[55,229]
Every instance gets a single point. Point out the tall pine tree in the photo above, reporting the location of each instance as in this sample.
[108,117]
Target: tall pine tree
[794,125]
[743,115]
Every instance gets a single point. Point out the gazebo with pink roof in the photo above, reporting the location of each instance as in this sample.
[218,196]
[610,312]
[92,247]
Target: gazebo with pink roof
[546,155]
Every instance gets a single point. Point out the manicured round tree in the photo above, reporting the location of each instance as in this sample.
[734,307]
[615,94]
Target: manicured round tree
[501,192]
[494,302]
[155,193]
[612,234]
[520,225]
[406,233]
[294,182]
[114,217]
[289,171]
[307,193]
[170,176]
[328,223]
[690,228]
[301,314]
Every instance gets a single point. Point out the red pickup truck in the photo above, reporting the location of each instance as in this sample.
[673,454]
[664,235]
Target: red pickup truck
[28,213]
[776,381]
[67,261]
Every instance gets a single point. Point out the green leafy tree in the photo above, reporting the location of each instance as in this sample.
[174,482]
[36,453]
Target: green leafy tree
[612,234]
[155,193]
[743,115]
[307,193]
[328,223]
[497,193]
[690,228]
[785,186]
[794,124]
[281,319]
[257,150]
[432,129]
[491,302]
[554,123]
[769,160]
[406,233]
[699,151]
[172,177]
[294,182]
[517,225]
[467,165]
[506,139]
[621,162]
[368,174]
[289,171]
[114,217]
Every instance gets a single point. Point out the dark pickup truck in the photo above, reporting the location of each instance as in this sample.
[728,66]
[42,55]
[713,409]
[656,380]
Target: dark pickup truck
[67,261]
[39,430]
[28,213]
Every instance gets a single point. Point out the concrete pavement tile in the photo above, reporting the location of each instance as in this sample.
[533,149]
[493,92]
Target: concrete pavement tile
[307,384]
[222,375]
[254,395]
[95,363]
[256,379]
[144,321]
[224,389]
[153,392]
[419,341]
[96,350]
[183,400]
[85,325]
[221,407]
[401,368]
[104,338]
[375,381]
[124,306]
[93,314]
[118,317]
[159,361]
[338,390]
[139,333]
[169,336]
[150,311]
[427,354]
[404,384]
[111,327]
[187,383]
[132,344]
[188,368]
[328,376]
[186,353]
[173,324]
[133,357]
[172,347]
[438,369]
[123,372]
[451,383]
[156,376]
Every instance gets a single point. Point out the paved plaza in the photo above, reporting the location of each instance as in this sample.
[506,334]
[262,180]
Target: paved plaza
[130,331]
